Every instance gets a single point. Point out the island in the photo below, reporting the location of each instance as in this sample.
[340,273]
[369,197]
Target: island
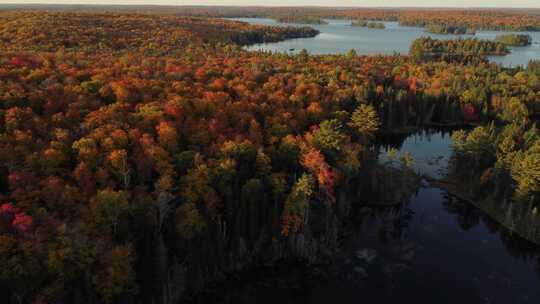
[368,24]
[300,19]
[456,50]
[514,39]
[441,28]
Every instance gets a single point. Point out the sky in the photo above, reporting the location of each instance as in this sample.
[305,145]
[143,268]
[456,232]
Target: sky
[362,3]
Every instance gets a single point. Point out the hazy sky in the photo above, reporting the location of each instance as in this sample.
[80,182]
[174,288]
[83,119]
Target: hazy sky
[430,3]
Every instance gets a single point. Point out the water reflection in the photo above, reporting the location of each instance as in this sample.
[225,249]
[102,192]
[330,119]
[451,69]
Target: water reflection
[431,249]
[430,149]
[440,250]
[450,246]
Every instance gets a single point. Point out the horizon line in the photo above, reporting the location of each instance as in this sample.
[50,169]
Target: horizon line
[269,6]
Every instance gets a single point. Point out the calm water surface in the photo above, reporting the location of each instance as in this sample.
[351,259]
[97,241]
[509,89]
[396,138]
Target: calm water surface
[339,37]
[433,249]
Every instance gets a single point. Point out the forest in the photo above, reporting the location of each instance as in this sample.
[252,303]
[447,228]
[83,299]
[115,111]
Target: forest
[125,133]
[438,28]
[475,19]
[300,19]
[486,19]
[458,50]
[515,40]
[364,23]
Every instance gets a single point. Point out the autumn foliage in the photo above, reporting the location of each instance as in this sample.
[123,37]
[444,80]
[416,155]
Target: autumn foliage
[116,127]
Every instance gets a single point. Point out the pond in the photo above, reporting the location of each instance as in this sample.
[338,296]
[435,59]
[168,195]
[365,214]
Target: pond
[432,249]
[338,36]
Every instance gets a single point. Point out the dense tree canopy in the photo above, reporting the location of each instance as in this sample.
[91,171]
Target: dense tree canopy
[368,24]
[514,39]
[438,28]
[110,121]
[457,50]
[486,19]
[108,32]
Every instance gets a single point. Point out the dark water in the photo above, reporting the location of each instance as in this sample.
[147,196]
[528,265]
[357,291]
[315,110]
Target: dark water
[430,150]
[339,37]
[433,249]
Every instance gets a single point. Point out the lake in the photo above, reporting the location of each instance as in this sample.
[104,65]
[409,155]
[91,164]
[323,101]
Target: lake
[432,249]
[338,36]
